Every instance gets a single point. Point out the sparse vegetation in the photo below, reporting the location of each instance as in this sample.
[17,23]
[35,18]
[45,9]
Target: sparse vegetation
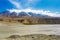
[31,20]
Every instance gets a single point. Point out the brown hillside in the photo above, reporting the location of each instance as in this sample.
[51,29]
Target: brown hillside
[31,20]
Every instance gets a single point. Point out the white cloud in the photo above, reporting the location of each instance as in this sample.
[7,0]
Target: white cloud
[49,13]
[17,4]
[27,3]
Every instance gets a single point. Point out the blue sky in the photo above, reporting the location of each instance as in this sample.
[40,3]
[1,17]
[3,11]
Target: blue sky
[51,5]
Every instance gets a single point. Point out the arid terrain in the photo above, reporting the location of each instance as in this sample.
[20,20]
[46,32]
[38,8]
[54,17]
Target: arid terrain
[31,20]
[19,31]
[29,28]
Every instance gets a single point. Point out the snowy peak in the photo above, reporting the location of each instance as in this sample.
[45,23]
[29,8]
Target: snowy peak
[19,14]
[43,12]
[32,13]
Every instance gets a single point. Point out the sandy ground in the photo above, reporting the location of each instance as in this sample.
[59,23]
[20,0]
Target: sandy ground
[7,29]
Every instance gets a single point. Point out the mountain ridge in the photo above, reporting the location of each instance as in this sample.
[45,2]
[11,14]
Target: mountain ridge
[22,13]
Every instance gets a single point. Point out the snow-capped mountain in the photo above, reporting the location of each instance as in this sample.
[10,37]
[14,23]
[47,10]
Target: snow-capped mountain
[37,15]
[13,14]
[22,13]
[5,13]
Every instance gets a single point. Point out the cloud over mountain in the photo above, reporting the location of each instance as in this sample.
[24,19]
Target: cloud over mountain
[49,13]
[27,6]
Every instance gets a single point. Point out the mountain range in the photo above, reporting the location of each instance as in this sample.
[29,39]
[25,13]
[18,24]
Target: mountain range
[20,14]
[28,18]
